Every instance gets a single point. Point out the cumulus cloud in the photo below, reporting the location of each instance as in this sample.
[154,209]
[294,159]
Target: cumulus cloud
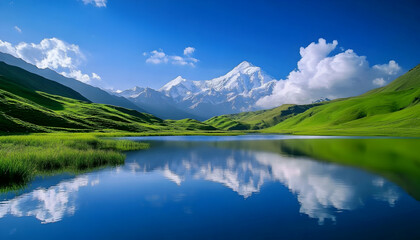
[379,82]
[18,29]
[189,51]
[156,57]
[320,75]
[159,57]
[97,3]
[96,76]
[47,205]
[51,53]
[83,77]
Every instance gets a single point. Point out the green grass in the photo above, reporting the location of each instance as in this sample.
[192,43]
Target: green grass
[30,103]
[23,110]
[393,110]
[189,125]
[23,157]
[258,119]
[395,159]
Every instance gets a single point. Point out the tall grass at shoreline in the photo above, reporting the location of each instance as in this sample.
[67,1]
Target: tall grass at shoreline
[24,156]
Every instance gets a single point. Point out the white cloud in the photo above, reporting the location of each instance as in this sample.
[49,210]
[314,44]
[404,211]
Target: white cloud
[51,53]
[322,190]
[97,3]
[77,74]
[158,57]
[48,205]
[96,76]
[7,47]
[379,82]
[320,75]
[18,29]
[189,51]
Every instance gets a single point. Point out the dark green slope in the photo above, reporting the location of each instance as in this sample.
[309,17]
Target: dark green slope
[189,124]
[26,110]
[390,110]
[32,81]
[94,94]
[258,119]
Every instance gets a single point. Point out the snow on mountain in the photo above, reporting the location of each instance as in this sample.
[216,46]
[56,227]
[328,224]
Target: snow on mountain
[131,93]
[321,100]
[237,91]
[180,88]
[242,79]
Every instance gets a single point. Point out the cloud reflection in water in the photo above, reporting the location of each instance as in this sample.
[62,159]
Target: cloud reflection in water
[47,204]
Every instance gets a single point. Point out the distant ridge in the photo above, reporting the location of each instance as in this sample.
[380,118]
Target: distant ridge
[35,82]
[235,92]
[91,93]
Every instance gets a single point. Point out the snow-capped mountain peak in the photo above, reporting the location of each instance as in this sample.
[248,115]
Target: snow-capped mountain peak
[179,88]
[241,79]
[131,92]
[176,81]
[236,91]
[244,65]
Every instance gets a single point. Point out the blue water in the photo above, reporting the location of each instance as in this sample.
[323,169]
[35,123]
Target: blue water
[212,188]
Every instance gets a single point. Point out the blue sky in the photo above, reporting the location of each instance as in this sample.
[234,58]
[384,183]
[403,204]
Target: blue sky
[114,38]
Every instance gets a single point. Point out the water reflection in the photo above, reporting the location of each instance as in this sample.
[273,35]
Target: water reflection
[322,189]
[47,204]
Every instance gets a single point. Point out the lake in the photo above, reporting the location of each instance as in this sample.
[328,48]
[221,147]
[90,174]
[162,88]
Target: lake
[230,187]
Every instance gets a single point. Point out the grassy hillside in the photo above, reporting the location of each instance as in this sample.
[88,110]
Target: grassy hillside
[189,124]
[32,81]
[26,110]
[258,119]
[92,93]
[390,110]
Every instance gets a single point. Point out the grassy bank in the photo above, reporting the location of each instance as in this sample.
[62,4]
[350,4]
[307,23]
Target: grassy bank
[394,159]
[22,157]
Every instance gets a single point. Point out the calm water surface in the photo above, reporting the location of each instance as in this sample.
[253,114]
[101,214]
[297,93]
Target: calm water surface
[244,187]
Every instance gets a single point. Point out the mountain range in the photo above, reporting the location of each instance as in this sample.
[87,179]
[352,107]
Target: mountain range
[235,92]
[41,100]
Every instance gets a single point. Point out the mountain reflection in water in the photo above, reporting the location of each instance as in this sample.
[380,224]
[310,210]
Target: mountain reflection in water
[322,189]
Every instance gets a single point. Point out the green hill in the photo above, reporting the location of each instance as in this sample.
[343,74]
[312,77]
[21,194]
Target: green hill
[390,110]
[26,110]
[92,93]
[35,82]
[258,119]
[189,124]
[31,103]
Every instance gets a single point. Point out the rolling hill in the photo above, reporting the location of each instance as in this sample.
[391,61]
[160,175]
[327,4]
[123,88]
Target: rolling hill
[258,119]
[91,93]
[32,81]
[26,110]
[31,103]
[390,110]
